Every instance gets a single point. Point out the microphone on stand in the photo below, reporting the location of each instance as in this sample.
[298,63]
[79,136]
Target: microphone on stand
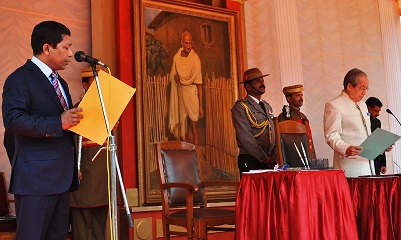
[390,112]
[80,56]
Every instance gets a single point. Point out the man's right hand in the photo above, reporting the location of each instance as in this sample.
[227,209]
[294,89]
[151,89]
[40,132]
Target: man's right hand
[271,160]
[353,150]
[71,118]
[383,169]
[177,78]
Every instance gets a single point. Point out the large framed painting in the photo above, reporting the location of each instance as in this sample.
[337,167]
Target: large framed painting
[187,72]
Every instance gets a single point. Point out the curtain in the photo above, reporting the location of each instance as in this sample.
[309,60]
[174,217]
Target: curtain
[18,19]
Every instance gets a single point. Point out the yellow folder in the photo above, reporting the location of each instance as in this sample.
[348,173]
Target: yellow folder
[116,96]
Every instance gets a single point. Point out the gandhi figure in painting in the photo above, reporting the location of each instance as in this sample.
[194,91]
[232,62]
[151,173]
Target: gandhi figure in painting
[185,106]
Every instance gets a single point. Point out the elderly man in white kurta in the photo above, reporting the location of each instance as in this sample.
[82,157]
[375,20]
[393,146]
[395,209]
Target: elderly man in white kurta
[186,90]
[347,125]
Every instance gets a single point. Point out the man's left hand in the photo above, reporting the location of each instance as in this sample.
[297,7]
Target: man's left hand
[79,175]
[389,148]
[201,113]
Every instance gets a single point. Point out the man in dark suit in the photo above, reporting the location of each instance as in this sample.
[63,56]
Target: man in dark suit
[253,124]
[37,109]
[374,107]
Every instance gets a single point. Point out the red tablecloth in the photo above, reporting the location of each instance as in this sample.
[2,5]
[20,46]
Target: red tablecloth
[377,207]
[295,205]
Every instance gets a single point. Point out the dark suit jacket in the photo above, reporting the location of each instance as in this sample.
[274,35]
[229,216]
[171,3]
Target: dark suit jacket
[381,159]
[45,160]
[8,142]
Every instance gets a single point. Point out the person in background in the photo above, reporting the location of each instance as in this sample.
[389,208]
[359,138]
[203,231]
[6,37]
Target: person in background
[374,107]
[89,205]
[37,109]
[253,123]
[295,98]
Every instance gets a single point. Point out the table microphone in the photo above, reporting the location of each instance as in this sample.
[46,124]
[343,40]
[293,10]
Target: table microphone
[390,112]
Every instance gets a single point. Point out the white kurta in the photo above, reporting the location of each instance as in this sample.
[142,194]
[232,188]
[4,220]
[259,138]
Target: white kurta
[184,99]
[343,127]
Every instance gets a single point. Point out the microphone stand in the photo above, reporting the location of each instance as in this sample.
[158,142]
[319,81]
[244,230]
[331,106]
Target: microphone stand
[114,166]
[390,112]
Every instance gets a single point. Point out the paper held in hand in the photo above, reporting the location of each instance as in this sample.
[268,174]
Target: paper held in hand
[116,96]
[377,143]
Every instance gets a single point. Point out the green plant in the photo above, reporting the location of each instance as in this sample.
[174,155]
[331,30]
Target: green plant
[156,55]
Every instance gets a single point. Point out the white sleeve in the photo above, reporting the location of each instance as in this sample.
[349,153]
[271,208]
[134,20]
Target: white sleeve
[332,120]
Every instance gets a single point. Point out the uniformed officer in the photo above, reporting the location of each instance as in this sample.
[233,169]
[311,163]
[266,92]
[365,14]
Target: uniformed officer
[295,98]
[253,123]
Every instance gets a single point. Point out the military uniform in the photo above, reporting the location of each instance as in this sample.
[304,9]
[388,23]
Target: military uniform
[298,116]
[90,204]
[254,133]
[293,114]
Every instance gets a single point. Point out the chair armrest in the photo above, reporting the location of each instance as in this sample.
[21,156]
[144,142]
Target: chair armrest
[220,183]
[191,187]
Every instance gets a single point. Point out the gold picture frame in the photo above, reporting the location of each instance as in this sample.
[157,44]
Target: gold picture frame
[158,29]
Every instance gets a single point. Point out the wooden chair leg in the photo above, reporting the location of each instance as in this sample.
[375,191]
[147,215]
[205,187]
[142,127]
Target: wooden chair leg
[200,230]
[166,231]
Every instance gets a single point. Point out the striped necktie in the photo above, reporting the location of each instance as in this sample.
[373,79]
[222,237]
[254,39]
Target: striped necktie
[363,119]
[56,86]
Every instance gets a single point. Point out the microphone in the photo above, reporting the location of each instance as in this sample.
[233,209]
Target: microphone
[80,56]
[390,112]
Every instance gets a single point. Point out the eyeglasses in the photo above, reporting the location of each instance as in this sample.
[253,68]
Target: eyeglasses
[363,89]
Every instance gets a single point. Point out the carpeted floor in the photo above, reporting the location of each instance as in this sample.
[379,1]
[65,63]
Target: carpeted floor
[7,235]
[11,236]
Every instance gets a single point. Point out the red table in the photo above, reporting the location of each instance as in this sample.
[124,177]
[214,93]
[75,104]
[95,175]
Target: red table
[377,206]
[295,205]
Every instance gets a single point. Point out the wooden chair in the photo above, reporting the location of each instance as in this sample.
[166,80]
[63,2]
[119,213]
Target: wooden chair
[287,133]
[8,223]
[180,183]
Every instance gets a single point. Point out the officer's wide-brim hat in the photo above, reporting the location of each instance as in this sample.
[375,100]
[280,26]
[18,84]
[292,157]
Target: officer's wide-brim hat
[252,74]
[87,72]
[293,89]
